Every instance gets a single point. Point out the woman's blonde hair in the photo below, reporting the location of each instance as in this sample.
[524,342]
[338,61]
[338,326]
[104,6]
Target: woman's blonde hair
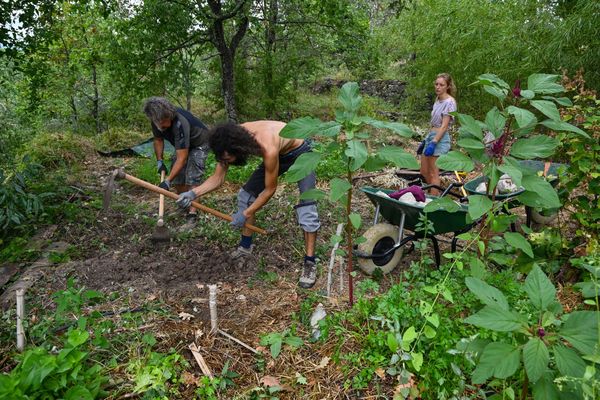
[449,81]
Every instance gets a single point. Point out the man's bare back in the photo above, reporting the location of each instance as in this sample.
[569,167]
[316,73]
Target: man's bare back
[266,134]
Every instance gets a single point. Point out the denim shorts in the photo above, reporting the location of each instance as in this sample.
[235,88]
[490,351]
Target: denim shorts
[443,146]
[192,173]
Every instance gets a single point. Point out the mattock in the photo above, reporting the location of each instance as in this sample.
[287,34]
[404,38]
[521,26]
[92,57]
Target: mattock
[120,174]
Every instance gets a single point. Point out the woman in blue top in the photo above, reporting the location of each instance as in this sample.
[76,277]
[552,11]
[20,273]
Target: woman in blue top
[437,141]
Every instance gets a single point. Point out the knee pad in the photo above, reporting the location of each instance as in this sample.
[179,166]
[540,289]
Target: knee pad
[308,218]
[244,199]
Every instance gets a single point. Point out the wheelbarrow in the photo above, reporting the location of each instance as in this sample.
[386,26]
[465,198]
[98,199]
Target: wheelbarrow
[382,248]
[534,166]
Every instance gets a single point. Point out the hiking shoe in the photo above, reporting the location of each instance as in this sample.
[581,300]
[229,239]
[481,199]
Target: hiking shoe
[309,275]
[241,252]
[190,223]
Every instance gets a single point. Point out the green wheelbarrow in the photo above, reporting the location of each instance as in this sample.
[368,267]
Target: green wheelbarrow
[382,248]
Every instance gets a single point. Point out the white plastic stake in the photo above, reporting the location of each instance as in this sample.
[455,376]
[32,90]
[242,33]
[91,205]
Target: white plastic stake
[338,232]
[212,305]
[20,316]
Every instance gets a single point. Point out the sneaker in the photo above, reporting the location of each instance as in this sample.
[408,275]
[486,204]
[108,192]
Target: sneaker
[190,223]
[309,275]
[241,252]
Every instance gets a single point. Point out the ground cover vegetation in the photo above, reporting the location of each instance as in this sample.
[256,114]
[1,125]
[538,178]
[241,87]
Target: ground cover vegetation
[512,313]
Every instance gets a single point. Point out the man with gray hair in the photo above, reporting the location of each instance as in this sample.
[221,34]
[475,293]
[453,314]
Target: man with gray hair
[189,136]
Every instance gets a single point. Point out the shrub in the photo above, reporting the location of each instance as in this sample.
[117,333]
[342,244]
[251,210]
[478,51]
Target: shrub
[53,150]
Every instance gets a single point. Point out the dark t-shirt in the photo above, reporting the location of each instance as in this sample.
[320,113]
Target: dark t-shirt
[186,131]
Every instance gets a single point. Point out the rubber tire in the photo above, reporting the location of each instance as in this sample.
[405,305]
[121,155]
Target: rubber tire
[385,235]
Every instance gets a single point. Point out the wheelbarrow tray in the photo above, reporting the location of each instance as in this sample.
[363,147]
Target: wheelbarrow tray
[391,210]
[534,166]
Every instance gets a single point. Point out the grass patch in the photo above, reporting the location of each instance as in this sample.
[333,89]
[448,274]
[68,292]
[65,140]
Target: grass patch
[120,138]
[54,150]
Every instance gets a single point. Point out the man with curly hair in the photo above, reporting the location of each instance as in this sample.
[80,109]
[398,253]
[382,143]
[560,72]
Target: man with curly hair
[233,144]
[189,136]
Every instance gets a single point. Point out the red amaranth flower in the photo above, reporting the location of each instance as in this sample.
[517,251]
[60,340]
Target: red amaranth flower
[541,332]
[496,148]
[517,89]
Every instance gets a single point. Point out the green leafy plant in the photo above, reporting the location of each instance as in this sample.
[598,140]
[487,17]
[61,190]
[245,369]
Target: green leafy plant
[157,375]
[276,340]
[347,134]
[68,373]
[549,343]
[209,389]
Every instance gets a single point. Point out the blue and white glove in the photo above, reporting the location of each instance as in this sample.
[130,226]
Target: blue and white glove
[160,166]
[185,199]
[238,220]
[166,184]
[430,149]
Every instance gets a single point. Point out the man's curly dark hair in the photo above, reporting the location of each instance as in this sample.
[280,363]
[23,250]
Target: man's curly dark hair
[234,139]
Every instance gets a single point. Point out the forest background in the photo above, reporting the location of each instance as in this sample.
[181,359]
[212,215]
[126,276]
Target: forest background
[85,67]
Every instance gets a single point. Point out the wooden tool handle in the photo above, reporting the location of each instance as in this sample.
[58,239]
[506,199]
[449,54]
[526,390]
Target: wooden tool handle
[174,196]
[161,202]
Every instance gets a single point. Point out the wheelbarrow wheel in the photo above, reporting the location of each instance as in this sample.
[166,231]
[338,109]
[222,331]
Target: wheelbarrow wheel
[379,239]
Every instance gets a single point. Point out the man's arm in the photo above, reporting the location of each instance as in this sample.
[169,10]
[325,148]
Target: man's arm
[271,162]
[212,182]
[182,155]
[159,146]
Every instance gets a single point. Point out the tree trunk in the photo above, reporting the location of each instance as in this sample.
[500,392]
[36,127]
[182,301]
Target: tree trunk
[228,85]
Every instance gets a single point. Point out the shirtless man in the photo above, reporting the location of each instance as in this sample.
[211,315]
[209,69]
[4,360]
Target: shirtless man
[232,145]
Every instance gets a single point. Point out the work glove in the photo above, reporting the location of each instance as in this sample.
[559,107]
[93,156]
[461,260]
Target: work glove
[420,148]
[166,184]
[238,220]
[160,166]
[430,149]
[185,199]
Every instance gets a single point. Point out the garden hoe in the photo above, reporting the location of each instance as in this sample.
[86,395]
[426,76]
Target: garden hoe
[161,232]
[120,174]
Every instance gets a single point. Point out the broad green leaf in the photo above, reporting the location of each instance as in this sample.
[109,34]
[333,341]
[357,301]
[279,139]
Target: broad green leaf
[562,126]
[349,97]
[497,92]
[495,318]
[313,194]
[409,335]
[563,101]
[276,348]
[487,79]
[77,337]
[417,360]
[514,172]
[357,152]
[539,193]
[547,108]
[527,94]
[429,332]
[329,129]
[568,362]
[581,330]
[338,188]
[540,290]
[374,163]
[304,165]
[470,125]
[523,117]
[544,84]
[455,161]
[433,319]
[301,128]
[355,220]
[396,127]
[517,240]
[392,343]
[499,360]
[442,203]
[78,393]
[478,206]
[535,358]
[494,120]
[293,341]
[539,146]
[488,294]
[478,269]
[469,143]
[398,156]
[545,389]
